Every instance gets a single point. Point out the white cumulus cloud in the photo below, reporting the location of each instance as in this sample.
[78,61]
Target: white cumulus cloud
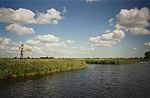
[109,39]
[147,44]
[32,42]
[19,29]
[134,49]
[107,31]
[4,40]
[134,20]
[43,44]
[70,41]
[51,17]
[20,15]
[47,38]
[26,16]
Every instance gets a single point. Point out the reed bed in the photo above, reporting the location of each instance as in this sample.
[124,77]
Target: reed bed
[15,67]
[115,61]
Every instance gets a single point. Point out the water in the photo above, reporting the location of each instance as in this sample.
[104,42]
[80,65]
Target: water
[96,81]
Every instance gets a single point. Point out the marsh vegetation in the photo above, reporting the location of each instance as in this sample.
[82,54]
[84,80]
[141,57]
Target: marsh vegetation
[15,67]
[10,68]
[116,61]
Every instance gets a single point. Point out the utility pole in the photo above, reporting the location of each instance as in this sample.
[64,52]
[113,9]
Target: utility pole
[21,50]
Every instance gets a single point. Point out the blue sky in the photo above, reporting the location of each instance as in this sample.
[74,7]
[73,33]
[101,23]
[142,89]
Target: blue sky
[80,28]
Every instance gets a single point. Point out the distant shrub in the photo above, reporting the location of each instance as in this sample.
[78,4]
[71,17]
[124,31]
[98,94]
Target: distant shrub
[111,61]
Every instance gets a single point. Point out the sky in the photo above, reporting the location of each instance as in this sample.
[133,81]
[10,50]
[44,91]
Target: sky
[75,28]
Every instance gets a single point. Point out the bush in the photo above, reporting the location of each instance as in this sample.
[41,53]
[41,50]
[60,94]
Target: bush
[111,61]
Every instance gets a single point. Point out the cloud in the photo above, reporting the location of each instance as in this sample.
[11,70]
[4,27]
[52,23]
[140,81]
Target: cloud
[134,20]
[56,45]
[20,15]
[138,31]
[26,16]
[14,48]
[27,49]
[47,38]
[78,50]
[51,17]
[36,47]
[147,44]
[92,0]
[46,43]
[7,45]
[118,26]
[109,39]
[32,42]
[110,21]
[107,31]
[43,44]
[85,49]
[19,29]
[4,40]
[134,48]
[70,41]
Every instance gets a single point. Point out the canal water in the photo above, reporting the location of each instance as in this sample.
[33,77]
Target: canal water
[95,81]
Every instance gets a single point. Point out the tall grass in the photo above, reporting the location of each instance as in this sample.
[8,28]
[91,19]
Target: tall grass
[25,67]
[15,67]
[111,61]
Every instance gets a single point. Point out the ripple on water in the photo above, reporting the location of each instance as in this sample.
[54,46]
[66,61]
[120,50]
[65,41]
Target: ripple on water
[96,81]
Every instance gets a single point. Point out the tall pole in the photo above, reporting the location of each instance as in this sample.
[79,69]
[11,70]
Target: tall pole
[21,51]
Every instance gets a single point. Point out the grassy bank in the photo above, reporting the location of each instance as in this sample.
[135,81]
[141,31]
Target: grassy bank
[115,61]
[10,68]
[14,67]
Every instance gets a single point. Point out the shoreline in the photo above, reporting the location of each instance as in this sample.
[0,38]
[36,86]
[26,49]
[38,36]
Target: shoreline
[13,68]
[112,61]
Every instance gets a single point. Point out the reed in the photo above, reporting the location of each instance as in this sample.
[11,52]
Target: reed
[115,61]
[10,68]
[15,67]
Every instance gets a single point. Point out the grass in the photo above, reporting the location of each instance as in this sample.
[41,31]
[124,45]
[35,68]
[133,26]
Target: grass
[115,61]
[14,67]
[10,68]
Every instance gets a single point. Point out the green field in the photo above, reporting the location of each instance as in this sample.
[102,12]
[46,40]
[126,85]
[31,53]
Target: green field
[15,67]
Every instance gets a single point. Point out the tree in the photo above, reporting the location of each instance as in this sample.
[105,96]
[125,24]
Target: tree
[147,55]
[15,57]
